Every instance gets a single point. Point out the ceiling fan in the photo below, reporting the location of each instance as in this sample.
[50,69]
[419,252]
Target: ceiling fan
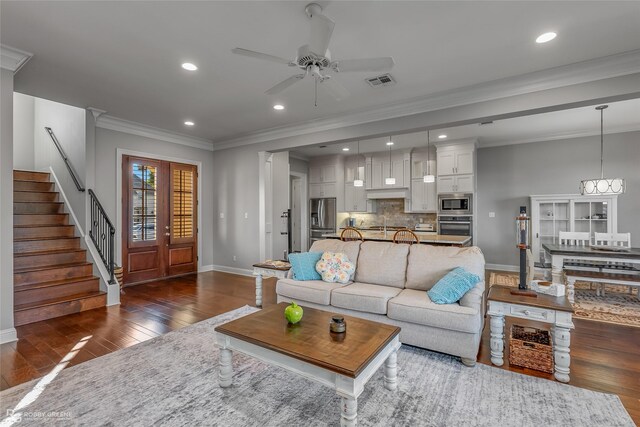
[315,59]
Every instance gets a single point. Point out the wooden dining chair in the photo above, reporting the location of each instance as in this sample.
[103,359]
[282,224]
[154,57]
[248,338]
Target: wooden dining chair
[577,238]
[405,236]
[613,239]
[351,234]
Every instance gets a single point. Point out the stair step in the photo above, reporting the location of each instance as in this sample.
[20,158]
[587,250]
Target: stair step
[38,207]
[47,258]
[52,273]
[38,245]
[31,176]
[33,186]
[35,292]
[41,219]
[35,196]
[43,231]
[48,309]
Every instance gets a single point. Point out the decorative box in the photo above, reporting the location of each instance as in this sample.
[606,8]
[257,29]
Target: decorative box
[531,348]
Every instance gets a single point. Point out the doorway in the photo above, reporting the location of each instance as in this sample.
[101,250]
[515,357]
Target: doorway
[159,217]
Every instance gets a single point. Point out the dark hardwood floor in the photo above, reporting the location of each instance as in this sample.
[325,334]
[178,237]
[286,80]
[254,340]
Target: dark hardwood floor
[604,357]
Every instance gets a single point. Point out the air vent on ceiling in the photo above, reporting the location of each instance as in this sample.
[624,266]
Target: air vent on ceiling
[486,123]
[383,80]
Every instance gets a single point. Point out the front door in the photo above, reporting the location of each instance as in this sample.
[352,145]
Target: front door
[159,219]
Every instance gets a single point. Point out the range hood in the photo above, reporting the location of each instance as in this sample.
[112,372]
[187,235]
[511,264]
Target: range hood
[392,193]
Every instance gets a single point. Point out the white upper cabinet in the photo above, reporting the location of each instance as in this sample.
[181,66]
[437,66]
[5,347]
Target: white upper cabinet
[456,184]
[455,160]
[446,163]
[423,196]
[322,173]
[378,169]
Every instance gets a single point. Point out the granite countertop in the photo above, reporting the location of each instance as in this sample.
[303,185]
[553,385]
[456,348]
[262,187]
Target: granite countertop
[433,239]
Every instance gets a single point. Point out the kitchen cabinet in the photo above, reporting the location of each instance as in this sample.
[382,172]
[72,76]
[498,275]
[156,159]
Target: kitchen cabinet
[322,173]
[423,196]
[377,168]
[455,184]
[455,159]
[355,199]
[353,169]
[317,191]
[554,213]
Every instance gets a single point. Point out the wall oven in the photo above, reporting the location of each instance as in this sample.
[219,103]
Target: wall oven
[455,226]
[455,204]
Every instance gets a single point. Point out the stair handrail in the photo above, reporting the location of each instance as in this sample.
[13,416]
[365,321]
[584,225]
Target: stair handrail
[102,234]
[76,181]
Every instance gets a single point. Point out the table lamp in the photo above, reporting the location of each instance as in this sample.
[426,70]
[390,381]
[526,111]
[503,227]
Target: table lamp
[523,242]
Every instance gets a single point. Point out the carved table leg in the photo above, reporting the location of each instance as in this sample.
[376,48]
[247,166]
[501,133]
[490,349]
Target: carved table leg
[571,289]
[497,339]
[557,265]
[349,413]
[225,374]
[259,290]
[562,359]
[391,372]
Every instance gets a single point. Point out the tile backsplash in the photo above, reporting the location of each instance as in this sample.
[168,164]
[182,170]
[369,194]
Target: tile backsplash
[393,210]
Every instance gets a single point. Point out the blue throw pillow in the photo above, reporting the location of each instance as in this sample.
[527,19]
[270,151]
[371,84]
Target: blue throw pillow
[453,286]
[304,265]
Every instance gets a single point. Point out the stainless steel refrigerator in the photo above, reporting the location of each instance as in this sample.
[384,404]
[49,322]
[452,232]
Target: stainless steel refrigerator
[322,218]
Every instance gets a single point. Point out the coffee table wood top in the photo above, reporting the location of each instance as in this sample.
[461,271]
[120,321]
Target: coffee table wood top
[502,293]
[311,341]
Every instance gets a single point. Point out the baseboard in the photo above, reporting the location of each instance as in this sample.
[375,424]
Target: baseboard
[232,270]
[205,268]
[8,335]
[501,267]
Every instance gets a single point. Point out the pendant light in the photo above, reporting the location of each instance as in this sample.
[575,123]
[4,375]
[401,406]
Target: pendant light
[428,177]
[358,182]
[390,180]
[602,185]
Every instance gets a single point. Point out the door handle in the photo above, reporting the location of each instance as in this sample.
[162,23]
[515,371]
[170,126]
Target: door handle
[167,234]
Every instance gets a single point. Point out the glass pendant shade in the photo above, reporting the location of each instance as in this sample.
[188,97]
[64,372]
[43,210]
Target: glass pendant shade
[358,183]
[602,186]
[429,178]
[390,181]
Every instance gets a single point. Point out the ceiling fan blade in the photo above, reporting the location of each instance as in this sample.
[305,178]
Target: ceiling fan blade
[260,55]
[368,64]
[321,30]
[335,88]
[285,84]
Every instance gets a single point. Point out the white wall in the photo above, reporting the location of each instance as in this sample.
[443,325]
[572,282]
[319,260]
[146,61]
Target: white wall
[7,333]
[68,124]
[23,116]
[508,175]
[107,142]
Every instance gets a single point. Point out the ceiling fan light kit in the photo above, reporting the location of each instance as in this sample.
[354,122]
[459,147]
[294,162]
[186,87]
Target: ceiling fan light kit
[602,185]
[314,58]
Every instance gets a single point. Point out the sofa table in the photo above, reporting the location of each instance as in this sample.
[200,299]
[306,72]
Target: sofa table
[344,362]
[278,269]
[556,311]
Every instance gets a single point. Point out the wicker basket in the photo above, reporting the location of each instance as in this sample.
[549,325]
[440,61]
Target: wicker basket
[118,273]
[531,348]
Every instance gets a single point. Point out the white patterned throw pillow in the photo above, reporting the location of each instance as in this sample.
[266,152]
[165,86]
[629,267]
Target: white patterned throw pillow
[335,267]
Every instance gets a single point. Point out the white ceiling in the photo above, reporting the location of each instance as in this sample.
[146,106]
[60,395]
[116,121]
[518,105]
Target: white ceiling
[621,116]
[124,57]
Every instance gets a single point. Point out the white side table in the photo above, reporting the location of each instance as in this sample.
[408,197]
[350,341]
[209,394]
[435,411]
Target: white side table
[266,270]
[556,311]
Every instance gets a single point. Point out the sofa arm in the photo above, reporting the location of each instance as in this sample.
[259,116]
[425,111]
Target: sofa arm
[474,298]
[290,274]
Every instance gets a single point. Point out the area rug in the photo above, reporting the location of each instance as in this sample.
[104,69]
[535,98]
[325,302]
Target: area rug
[171,380]
[616,306]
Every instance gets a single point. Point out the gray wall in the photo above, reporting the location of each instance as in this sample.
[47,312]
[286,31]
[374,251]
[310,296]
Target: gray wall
[6,203]
[106,144]
[508,175]
[23,114]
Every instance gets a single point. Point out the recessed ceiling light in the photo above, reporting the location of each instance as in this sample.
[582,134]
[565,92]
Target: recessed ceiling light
[189,66]
[390,143]
[546,37]
[189,123]
[345,149]
[443,136]
[278,107]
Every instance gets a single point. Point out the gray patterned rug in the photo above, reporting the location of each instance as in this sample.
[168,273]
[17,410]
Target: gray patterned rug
[172,380]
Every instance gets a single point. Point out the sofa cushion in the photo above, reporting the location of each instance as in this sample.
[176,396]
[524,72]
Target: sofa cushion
[382,263]
[363,297]
[428,264]
[414,306]
[315,291]
[351,249]
[303,265]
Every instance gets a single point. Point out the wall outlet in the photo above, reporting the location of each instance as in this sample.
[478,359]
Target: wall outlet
[246,215]
[235,258]
[221,215]
[492,214]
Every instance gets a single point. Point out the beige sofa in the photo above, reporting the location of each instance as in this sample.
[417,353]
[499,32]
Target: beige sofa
[389,286]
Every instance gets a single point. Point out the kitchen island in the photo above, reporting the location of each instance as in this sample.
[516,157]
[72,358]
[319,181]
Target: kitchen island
[429,239]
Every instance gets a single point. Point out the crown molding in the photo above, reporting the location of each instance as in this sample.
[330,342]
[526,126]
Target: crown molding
[581,72]
[133,128]
[13,59]
[561,136]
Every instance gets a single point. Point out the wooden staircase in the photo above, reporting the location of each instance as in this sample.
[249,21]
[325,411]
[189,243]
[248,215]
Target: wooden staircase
[51,274]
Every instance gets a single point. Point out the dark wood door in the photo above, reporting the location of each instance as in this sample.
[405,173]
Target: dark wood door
[159,219]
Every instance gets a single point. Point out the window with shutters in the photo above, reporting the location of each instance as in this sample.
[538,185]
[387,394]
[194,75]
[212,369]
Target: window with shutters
[182,201]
